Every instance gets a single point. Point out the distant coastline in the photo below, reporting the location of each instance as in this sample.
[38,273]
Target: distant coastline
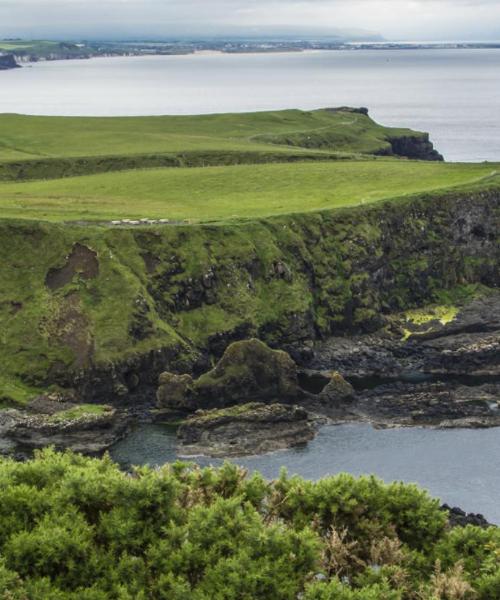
[15,53]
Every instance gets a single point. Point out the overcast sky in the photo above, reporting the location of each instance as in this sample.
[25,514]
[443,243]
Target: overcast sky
[394,19]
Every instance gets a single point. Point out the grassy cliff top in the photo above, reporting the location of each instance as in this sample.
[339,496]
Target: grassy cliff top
[35,137]
[226,193]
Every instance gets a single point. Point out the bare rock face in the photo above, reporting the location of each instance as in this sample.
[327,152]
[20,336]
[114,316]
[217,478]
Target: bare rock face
[253,428]
[248,371]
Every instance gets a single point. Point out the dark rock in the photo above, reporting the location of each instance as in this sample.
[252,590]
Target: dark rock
[415,147]
[8,61]
[252,428]
[459,518]
[141,326]
[444,405]
[445,375]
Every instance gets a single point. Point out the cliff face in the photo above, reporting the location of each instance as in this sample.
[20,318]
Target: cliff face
[417,147]
[7,61]
[104,311]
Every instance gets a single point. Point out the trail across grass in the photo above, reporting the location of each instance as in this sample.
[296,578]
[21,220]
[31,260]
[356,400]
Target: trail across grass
[224,193]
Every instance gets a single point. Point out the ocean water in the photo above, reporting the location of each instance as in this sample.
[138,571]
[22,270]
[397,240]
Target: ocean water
[459,466]
[453,94]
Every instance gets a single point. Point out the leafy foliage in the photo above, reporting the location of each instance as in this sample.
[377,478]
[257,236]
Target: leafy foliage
[79,528]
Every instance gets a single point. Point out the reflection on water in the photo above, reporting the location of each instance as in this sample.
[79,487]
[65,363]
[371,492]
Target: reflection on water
[462,467]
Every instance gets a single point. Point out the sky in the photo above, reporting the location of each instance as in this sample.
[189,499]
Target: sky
[418,20]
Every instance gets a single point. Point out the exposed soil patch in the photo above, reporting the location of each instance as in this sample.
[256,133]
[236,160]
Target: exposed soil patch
[82,261]
[71,328]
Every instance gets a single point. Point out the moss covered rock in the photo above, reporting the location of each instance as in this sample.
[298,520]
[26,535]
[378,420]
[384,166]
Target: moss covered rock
[338,390]
[248,370]
[175,391]
[251,428]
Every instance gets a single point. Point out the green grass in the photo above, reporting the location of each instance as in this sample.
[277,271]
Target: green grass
[222,193]
[14,393]
[79,412]
[36,137]
[40,47]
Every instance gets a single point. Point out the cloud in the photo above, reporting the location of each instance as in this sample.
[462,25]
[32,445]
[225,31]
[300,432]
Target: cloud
[395,19]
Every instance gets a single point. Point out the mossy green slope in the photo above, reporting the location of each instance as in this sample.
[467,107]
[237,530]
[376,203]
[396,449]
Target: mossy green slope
[106,310]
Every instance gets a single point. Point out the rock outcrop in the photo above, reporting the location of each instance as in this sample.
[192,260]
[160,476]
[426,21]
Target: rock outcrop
[8,61]
[459,518]
[253,428]
[176,392]
[337,391]
[416,147]
[442,374]
[248,370]
[64,425]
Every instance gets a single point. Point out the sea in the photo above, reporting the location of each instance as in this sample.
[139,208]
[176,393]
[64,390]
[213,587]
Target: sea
[452,94]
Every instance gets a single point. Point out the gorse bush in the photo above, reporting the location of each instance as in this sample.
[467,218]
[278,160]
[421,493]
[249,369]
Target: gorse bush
[75,528]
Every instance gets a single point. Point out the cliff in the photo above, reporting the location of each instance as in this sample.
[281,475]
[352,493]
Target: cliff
[104,311]
[7,61]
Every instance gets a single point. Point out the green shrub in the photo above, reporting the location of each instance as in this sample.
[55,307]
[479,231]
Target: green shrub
[75,528]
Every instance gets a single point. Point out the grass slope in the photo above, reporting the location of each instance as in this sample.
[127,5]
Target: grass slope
[221,193]
[35,137]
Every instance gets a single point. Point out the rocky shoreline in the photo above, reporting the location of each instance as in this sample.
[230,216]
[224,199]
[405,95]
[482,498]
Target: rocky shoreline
[54,421]
[427,371]
[253,428]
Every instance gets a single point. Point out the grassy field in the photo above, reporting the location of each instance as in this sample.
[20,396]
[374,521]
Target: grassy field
[222,193]
[32,137]
[28,46]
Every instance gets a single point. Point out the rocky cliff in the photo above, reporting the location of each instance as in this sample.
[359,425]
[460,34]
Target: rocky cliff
[104,311]
[417,147]
[7,61]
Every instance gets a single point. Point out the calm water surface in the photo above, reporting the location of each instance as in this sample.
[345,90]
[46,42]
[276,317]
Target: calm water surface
[462,467]
[453,94]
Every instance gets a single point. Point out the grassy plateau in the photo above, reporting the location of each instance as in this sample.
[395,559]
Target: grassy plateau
[221,193]
[24,137]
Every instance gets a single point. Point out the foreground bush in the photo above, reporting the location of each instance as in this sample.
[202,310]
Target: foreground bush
[74,528]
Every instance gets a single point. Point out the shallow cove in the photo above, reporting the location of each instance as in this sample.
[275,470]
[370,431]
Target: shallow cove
[460,466]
